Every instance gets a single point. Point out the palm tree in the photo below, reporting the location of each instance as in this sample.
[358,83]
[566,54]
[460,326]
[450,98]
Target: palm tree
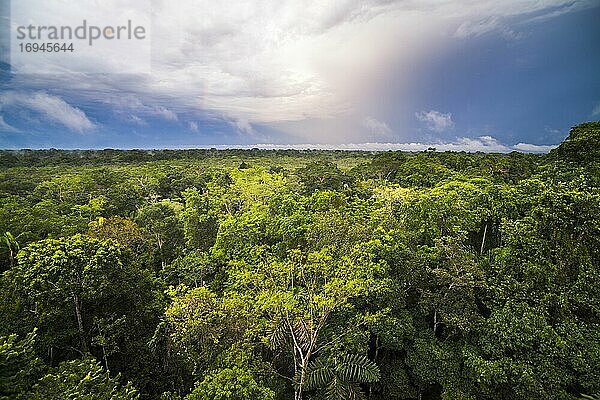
[8,240]
[341,378]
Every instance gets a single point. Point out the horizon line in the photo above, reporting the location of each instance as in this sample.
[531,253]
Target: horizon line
[482,145]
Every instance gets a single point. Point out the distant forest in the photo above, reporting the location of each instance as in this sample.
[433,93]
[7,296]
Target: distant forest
[283,274]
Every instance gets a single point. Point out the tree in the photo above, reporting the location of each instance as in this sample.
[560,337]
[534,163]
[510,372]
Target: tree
[323,175]
[199,220]
[414,276]
[308,301]
[233,383]
[20,367]
[341,377]
[83,380]
[162,222]
[12,246]
[202,326]
[193,269]
[125,232]
[540,337]
[85,295]
[582,145]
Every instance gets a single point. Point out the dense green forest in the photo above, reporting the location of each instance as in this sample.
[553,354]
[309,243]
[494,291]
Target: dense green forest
[256,275]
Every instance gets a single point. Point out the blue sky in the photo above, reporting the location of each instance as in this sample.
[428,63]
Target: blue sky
[474,75]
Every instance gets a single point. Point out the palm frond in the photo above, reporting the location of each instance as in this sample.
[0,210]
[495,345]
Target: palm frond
[318,374]
[303,334]
[341,377]
[336,390]
[341,390]
[357,368]
[277,335]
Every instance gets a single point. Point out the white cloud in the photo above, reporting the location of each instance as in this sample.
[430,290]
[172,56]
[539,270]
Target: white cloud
[533,148]
[193,126]
[104,56]
[243,126]
[435,120]
[52,108]
[596,111]
[562,8]
[470,29]
[377,129]
[136,120]
[486,144]
[283,61]
[476,28]
[165,113]
[137,111]
[5,127]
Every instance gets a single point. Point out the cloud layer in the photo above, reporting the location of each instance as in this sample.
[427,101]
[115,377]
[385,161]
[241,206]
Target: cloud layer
[301,71]
[435,120]
[49,107]
[485,144]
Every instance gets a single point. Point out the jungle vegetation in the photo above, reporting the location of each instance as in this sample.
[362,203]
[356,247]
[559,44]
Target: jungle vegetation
[263,275]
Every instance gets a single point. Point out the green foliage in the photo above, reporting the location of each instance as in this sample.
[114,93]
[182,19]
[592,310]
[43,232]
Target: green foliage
[200,221]
[205,274]
[82,380]
[85,296]
[23,375]
[340,377]
[161,221]
[203,325]
[123,231]
[11,246]
[582,146]
[194,269]
[323,176]
[19,366]
[230,384]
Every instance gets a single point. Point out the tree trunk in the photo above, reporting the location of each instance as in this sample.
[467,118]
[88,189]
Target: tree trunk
[298,391]
[483,239]
[103,348]
[303,366]
[160,250]
[375,361]
[80,323]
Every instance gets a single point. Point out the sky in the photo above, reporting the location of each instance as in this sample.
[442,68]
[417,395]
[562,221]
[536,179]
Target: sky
[475,75]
